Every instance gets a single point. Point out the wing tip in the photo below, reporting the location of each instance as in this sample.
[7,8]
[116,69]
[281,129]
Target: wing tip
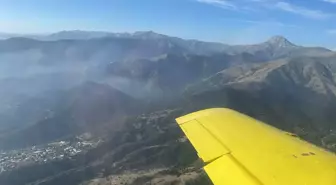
[206,112]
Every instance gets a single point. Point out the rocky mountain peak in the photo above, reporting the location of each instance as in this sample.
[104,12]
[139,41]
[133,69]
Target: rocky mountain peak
[148,35]
[280,41]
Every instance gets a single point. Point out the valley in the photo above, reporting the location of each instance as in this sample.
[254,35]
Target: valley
[99,108]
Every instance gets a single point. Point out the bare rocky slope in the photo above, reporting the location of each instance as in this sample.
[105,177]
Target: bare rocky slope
[295,94]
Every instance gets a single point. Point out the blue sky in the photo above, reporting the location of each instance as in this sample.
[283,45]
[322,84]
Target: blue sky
[306,22]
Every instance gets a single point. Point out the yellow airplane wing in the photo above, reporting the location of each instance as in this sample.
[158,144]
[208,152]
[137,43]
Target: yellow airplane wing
[239,150]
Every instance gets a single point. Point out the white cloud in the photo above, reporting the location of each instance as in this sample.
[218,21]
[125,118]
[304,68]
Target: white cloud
[220,3]
[265,22]
[330,1]
[314,14]
[254,5]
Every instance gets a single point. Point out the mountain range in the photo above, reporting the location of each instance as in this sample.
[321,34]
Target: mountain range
[129,87]
[297,94]
[275,47]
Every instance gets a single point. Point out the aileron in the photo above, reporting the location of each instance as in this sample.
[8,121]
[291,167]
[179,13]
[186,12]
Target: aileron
[208,147]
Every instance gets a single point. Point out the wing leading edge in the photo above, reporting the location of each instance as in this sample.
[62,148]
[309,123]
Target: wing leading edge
[239,150]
